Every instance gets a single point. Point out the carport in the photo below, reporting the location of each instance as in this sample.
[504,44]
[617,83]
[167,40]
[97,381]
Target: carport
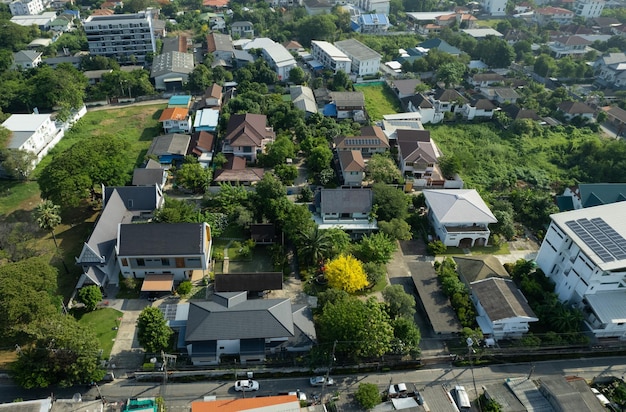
[158,283]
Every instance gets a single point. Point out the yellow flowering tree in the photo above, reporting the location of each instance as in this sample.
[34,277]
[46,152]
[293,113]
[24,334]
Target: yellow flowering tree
[346,273]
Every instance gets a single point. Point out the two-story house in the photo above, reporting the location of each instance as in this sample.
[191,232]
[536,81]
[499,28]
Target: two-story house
[487,79]
[549,14]
[175,120]
[242,29]
[213,96]
[576,109]
[206,120]
[371,23]
[202,146]
[26,59]
[246,135]
[348,209]
[220,46]
[171,249]
[275,54]
[574,46]
[34,133]
[371,140]
[404,87]
[459,217]
[330,56]
[351,167]
[478,109]
[584,254]
[448,100]
[610,70]
[421,104]
[417,153]
[349,105]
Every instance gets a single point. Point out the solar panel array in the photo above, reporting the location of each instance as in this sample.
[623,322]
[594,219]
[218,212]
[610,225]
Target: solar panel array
[170,312]
[601,238]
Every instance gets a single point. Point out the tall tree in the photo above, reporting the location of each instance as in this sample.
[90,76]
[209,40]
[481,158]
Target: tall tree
[48,217]
[377,248]
[382,169]
[152,330]
[400,304]
[90,296]
[315,246]
[451,73]
[18,164]
[346,273]
[390,202]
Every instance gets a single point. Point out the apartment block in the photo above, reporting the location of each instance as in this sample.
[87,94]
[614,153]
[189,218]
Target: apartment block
[365,61]
[330,56]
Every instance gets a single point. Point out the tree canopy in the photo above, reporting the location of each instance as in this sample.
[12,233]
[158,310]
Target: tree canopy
[346,273]
[382,169]
[152,330]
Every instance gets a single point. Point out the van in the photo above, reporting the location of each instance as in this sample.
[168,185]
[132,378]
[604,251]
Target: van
[461,398]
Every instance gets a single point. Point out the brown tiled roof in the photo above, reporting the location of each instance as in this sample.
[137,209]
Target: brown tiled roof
[235,163]
[203,140]
[351,161]
[215,91]
[247,130]
[292,44]
[448,95]
[549,11]
[575,108]
[173,113]
[103,12]
[573,41]
[215,3]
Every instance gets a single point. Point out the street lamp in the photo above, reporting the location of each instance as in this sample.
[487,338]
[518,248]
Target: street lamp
[470,349]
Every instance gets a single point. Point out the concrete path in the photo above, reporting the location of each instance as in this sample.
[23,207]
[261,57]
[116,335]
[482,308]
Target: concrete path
[127,355]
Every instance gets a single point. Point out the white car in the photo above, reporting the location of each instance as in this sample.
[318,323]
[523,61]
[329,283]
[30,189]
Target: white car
[398,390]
[301,395]
[319,381]
[246,385]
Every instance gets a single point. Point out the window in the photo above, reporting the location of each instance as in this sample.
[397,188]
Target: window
[124,262]
[165,261]
[141,262]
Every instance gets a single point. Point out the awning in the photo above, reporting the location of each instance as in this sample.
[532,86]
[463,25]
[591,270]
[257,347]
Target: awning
[158,283]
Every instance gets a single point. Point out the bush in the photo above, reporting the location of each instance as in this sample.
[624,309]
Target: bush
[437,248]
[184,288]
[367,395]
[90,296]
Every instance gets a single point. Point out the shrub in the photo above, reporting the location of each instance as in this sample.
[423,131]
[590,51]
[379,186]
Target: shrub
[184,288]
[437,248]
[367,395]
[90,296]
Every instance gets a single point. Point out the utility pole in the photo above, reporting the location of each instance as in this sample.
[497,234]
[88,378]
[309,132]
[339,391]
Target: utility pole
[470,344]
[330,364]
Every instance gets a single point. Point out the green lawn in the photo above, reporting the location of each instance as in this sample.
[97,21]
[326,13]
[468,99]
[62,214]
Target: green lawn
[379,100]
[104,323]
[17,195]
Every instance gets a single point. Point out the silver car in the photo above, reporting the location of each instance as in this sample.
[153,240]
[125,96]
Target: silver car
[319,381]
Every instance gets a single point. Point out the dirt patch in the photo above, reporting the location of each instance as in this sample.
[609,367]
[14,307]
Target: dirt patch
[7,357]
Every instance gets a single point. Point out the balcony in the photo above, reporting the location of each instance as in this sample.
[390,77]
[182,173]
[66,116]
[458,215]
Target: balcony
[467,229]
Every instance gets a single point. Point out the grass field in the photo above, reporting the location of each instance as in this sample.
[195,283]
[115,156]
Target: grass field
[379,100]
[104,323]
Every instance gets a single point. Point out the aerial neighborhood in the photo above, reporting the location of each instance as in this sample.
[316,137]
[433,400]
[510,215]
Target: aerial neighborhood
[312,205]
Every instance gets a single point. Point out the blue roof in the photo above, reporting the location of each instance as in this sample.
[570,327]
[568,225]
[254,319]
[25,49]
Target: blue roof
[374,19]
[207,118]
[330,109]
[179,100]
[439,44]
[354,25]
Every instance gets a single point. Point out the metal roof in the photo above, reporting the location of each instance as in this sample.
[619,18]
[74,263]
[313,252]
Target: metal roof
[458,206]
[161,239]
[355,49]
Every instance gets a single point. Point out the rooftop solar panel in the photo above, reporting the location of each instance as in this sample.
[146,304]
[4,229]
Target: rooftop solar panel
[601,238]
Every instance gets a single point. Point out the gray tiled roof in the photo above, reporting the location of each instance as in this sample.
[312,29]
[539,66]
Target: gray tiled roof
[170,144]
[141,198]
[250,282]
[458,206]
[501,299]
[172,62]
[346,200]
[473,268]
[161,239]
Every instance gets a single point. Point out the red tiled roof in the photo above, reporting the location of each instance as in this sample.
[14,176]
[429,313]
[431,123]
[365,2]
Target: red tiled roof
[174,113]
[242,404]
[215,3]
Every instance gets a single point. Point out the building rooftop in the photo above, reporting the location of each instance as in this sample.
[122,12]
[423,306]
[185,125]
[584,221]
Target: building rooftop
[356,49]
[458,206]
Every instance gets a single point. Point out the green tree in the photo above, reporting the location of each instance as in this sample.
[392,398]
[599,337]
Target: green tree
[18,164]
[319,158]
[390,202]
[191,175]
[152,330]
[297,75]
[346,273]
[399,303]
[407,336]
[278,151]
[382,169]
[545,65]
[450,165]
[451,74]
[63,88]
[286,173]
[315,246]
[396,229]
[436,247]
[184,288]
[375,272]
[200,79]
[64,353]
[90,296]
[48,217]
[495,52]
[377,247]
[367,395]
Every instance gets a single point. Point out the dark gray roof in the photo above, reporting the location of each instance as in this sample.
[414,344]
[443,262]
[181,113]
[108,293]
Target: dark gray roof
[263,232]
[160,239]
[346,200]
[170,144]
[448,95]
[566,396]
[415,145]
[483,104]
[501,299]
[140,198]
[406,86]
[148,177]
[473,268]
[248,282]
[418,100]
[247,319]
[172,62]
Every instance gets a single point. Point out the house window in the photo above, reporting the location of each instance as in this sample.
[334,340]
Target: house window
[247,149]
[124,262]
[165,261]
[141,262]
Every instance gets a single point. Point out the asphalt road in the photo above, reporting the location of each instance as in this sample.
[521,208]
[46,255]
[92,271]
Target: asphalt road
[178,396]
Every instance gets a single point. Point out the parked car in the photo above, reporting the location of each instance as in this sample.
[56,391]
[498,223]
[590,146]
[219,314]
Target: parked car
[246,385]
[319,381]
[419,398]
[398,390]
[301,395]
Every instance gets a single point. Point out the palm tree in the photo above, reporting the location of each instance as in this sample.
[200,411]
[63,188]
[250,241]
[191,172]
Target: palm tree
[48,218]
[316,246]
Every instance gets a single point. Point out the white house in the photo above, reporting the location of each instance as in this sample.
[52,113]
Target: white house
[502,309]
[348,209]
[478,109]
[584,253]
[459,217]
[242,29]
[275,54]
[494,7]
[26,7]
[175,120]
[352,166]
[34,133]
[589,8]
[365,61]
[330,56]
[26,59]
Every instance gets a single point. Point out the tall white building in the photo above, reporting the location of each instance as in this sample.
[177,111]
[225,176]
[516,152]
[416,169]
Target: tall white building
[589,8]
[276,55]
[121,35]
[494,7]
[376,6]
[330,56]
[584,253]
[365,61]
[26,7]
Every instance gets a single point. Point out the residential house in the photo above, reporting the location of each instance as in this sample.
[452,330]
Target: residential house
[230,324]
[574,46]
[371,23]
[501,95]
[213,96]
[605,25]
[203,146]
[486,79]
[175,120]
[448,100]
[464,20]
[163,251]
[440,45]
[617,117]
[478,109]
[275,54]
[220,46]
[591,194]
[61,24]
[120,205]
[404,87]
[303,98]
[418,154]
[365,61]
[254,283]
[330,56]
[589,8]
[39,43]
[502,310]
[610,70]
[459,217]
[559,15]
[422,105]
[315,7]
[95,76]
[258,404]
[242,29]
[108,35]
[246,135]
[26,59]
[206,120]
[576,109]
[33,133]
[350,105]
[169,148]
[236,172]
[517,113]
[170,71]
[348,209]
[152,174]
[494,7]
[584,254]
[479,267]
[293,46]
[371,140]
[352,167]
[482,33]
[26,7]
[400,121]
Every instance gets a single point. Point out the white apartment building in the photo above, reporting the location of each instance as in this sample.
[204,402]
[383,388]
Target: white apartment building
[121,35]
[330,56]
[375,6]
[494,7]
[589,8]
[365,61]
[276,55]
[26,7]
[34,133]
[584,253]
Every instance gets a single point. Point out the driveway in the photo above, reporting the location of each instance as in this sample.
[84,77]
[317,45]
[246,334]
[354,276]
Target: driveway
[127,355]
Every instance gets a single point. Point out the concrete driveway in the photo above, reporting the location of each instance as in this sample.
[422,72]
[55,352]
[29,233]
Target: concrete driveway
[127,355]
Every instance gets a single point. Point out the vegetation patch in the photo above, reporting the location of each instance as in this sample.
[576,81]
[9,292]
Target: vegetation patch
[379,100]
[104,322]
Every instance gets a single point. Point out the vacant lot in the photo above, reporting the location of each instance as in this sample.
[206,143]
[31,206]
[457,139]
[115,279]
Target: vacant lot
[104,322]
[379,100]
